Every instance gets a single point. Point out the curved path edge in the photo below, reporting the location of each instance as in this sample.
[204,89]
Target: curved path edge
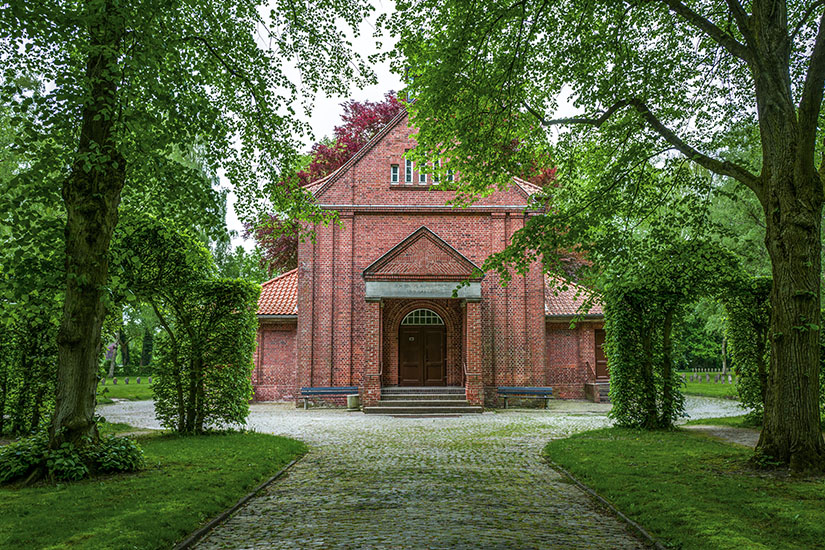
[606,503]
[197,535]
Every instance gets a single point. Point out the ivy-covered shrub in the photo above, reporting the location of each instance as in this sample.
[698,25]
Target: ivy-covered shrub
[644,387]
[203,374]
[28,355]
[204,354]
[748,309]
[110,454]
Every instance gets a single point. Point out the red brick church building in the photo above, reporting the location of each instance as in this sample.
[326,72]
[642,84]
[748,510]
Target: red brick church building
[371,303]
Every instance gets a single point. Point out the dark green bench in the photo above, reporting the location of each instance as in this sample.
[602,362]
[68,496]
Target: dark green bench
[306,393]
[526,391]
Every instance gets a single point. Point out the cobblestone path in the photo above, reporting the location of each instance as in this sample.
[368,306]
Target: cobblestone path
[380,483]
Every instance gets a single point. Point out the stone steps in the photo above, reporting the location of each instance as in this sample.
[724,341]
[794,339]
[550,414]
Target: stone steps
[421,410]
[604,392]
[423,401]
[423,397]
[406,390]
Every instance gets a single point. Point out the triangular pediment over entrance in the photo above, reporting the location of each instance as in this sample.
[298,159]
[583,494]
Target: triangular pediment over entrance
[423,256]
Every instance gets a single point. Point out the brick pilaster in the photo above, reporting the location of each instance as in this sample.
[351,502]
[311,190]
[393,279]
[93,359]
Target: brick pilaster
[474,353]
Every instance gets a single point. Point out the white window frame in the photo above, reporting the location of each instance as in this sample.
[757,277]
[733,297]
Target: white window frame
[394,173]
[408,171]
[422,178]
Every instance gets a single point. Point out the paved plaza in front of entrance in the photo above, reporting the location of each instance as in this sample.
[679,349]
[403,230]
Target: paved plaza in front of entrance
[475,481]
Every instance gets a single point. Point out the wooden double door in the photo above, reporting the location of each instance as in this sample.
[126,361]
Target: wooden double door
[422,355]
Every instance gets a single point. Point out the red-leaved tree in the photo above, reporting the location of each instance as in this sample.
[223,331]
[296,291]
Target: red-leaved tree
[278,237]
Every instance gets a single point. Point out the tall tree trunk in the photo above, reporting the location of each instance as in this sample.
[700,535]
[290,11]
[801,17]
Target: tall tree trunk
[792,432]
[724,356]
[791,194]
[91,194]
[147,347]
[668,397]
[112,361]
[124,352]
[761,362]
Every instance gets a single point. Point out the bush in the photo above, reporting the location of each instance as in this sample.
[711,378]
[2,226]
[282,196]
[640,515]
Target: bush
[68,463]
[21,457]
[117,454]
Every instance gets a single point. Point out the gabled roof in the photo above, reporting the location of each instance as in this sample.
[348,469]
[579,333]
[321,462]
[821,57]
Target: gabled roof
[566,303]
[319,185]
[279,296]
[423,256]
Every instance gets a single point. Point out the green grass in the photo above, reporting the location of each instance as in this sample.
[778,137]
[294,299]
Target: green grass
[188,480]
[130,392]
[727,391]
[693,492]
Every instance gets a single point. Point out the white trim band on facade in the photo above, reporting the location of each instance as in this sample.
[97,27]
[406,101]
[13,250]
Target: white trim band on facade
[421,289]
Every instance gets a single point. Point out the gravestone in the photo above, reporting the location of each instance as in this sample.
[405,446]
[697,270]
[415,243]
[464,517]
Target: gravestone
[138,380]
[707,378]
[730,379]
[126,381]
[114,381]
[150,379]
[103,381]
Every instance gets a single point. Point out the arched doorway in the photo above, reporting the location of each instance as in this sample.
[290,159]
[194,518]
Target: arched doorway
[422,349]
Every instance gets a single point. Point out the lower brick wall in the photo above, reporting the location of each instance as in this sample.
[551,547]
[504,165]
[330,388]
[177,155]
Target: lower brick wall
[275,377]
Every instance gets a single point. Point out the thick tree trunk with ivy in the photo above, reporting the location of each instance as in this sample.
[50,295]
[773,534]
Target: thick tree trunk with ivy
[91,194]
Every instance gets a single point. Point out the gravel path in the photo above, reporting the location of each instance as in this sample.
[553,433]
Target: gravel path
[474,481]
[729,434]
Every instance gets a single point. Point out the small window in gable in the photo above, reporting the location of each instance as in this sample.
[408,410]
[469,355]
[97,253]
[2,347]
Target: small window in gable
[393,173]
[408,171]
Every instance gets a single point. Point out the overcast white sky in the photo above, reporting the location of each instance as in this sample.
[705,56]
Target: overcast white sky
[327,112]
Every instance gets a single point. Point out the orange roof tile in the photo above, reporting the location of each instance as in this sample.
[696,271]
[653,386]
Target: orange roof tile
[279,296]
[566,303]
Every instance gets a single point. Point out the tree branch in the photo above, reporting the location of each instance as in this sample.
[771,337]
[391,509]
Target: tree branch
[741,17]
[723,168]
[805,16]
[811,101]
[722,38]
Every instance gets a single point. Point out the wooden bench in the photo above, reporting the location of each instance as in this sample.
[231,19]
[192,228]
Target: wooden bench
[527,392]
[306,393]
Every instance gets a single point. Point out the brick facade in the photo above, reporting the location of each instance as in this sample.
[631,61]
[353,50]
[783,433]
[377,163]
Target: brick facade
[341,338]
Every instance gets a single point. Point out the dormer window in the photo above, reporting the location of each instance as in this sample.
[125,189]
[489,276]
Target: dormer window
[408,171]
[394,173]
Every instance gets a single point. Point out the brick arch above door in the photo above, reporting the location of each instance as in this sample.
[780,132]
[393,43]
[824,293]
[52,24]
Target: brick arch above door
[450,311]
